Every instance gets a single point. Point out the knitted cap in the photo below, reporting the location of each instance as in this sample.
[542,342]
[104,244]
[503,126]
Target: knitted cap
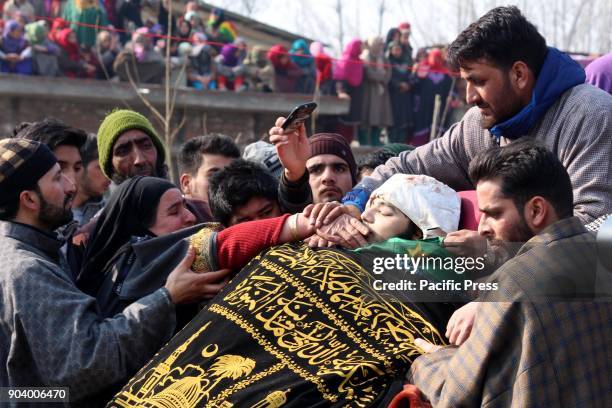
[22,163]
[114,125]
[333,143]
[263,152]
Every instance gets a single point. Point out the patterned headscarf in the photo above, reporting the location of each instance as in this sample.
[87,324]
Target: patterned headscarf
[22,163]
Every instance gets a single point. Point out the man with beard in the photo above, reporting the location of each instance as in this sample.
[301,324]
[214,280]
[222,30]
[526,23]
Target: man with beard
[520,88]
[51,333]
[538,340]
[65,142]
[128,146]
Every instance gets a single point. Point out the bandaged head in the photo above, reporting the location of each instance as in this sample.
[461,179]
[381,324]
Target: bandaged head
[427,202]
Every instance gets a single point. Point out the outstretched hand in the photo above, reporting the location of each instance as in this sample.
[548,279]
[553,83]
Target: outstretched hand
[460,324]
[292,148]
[323,213]
[465,243]
[345,231]
[187,286]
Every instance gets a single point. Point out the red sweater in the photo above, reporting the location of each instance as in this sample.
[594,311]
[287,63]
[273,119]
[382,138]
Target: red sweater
[238,244]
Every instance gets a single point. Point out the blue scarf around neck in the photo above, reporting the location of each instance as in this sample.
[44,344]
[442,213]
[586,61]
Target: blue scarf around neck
[558,74]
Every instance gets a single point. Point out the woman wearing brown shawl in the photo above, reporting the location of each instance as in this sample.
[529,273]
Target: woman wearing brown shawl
[259,70]
[376,112]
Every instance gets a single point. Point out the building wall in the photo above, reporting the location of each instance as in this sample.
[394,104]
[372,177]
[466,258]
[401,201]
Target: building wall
[81,103]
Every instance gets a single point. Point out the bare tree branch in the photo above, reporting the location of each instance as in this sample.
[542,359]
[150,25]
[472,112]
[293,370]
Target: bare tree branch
[339,13]
[107,75]
[168,117]
[570,34]
[176,87]
[180,126]
[381,15]
[143,99]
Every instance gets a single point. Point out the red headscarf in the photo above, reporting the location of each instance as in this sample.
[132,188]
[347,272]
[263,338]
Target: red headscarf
[323,62]
[404,26]
[57,25]
[350,68]
[72,48]
[435,60]
[274,55]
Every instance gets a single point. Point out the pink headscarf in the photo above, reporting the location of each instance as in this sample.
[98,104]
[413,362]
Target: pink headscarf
[350,68]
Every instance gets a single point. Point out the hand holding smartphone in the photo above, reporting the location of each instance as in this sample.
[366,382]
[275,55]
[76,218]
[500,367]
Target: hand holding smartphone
[298,115]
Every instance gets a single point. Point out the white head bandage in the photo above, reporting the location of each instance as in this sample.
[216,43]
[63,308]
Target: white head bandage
[427,202]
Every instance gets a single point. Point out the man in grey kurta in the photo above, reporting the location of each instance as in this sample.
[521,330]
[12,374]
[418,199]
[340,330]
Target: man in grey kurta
[578,128]
[521,88]
[51,333]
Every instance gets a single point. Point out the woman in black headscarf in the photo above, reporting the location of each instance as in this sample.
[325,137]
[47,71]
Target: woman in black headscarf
[140,208]
[302,327]
[392,35]
[402,99]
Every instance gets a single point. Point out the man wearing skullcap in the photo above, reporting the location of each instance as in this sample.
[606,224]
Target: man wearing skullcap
[329,171]
[51,333]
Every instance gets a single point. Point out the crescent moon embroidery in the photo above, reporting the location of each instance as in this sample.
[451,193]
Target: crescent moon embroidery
[210,350]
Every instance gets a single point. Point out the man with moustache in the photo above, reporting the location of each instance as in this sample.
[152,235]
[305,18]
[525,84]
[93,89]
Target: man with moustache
[317,170]
[129,146]
[520,87]
[51,333]
[539,340]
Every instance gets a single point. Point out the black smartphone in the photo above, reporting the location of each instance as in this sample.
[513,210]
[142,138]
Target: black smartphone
[298,115]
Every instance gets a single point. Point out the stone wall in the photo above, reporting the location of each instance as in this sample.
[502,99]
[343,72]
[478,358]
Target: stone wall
[84,103]
[246,117]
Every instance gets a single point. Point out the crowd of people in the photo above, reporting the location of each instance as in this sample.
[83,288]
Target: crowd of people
[253,280]
[388,89]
